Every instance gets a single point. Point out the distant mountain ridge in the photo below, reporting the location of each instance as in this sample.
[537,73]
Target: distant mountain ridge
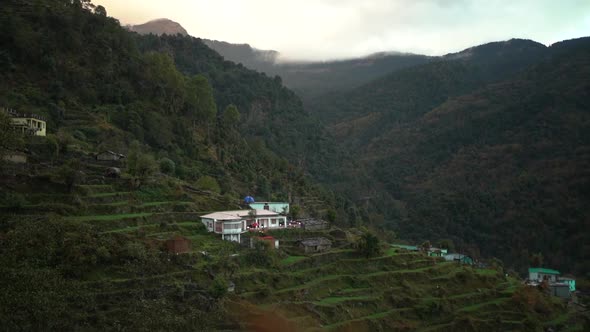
[159,26]
[307,79]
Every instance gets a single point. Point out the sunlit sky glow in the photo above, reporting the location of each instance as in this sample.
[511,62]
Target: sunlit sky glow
[330,29]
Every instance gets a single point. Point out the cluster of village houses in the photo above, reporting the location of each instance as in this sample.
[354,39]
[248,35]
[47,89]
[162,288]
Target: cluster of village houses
[545,278]
[272,215]
[439,252]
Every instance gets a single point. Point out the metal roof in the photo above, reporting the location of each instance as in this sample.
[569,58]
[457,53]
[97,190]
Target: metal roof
[318,241]
[455,256]
[405,246]
[238,214]
[543,270]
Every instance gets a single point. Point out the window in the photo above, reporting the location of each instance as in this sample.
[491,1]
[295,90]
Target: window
[232,226]
[273,221]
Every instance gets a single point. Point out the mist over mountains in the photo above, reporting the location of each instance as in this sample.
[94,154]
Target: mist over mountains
[307,78]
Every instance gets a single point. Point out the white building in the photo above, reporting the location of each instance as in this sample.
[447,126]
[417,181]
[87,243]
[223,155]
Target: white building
[230,224]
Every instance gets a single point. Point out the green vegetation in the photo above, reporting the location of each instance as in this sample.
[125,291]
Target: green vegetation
[110,217]
[85,242]
[9,138]
[486,148]
[292,259]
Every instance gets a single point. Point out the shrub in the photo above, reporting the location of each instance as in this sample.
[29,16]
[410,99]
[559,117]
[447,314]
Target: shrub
[219,287]
[208,183]
[167,166]
[14,200]
[79,135]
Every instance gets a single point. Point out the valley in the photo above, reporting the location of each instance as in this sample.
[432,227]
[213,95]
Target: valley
[418,193]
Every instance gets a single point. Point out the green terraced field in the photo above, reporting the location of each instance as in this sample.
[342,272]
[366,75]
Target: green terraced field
[109,217]
[338,290]
[292,259]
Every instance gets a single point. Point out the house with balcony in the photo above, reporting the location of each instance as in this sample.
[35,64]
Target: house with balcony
[231,224]
[28,124]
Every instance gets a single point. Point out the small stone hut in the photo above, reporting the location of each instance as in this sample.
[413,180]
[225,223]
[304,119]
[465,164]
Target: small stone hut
[317,244]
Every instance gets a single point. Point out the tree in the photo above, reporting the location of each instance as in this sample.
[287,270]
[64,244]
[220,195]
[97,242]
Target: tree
[536,259]
[368,245]
[295,211]
[447,244]
[100,10]
[425,246]
[69,174]
[331,215]
[167,166]
[231,116]
[10,139]
[146,166]
[199,101]
[219,287]
[167,83]
[140,165]
[132,156]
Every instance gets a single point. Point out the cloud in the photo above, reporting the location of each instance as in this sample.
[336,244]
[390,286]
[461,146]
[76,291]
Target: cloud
[326,29]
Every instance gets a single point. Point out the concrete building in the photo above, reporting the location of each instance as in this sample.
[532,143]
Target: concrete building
[539,274]
[230,224]
[561,290]
[27,123]
[278,207]
[460,258]
[437,252]
[571,283]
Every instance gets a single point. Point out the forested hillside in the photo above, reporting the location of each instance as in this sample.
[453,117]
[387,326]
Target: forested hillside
[487,147]
[102,87]
[198,132]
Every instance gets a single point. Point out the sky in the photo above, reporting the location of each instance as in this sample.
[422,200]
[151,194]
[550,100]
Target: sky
[337,29]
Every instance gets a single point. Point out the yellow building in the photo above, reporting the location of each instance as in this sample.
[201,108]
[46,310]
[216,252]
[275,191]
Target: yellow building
[28,123]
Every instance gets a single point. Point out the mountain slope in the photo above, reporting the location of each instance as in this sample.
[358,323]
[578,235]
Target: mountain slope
[407,93]
[102,87]
[501,168]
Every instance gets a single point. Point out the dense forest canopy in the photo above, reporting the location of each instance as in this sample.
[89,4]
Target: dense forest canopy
[487,147]
[69,61]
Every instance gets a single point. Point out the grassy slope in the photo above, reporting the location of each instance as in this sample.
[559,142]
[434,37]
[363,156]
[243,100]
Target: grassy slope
[330,291]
